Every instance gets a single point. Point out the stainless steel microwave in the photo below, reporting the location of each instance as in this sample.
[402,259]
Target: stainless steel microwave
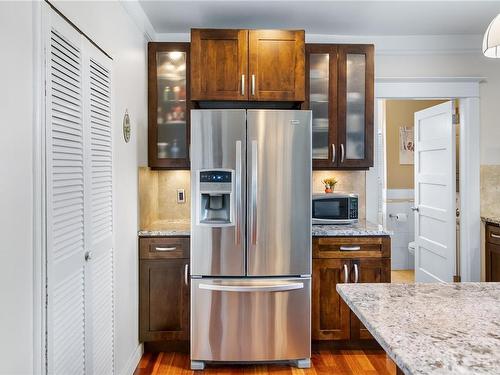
[335,208]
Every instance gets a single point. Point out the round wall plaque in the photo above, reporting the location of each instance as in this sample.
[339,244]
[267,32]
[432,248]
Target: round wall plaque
[126,127]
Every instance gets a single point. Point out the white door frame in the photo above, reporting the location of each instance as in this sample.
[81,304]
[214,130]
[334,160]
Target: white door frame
[467,90]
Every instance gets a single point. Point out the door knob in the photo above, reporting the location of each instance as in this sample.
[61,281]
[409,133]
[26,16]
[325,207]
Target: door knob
[414,208]
[88,256]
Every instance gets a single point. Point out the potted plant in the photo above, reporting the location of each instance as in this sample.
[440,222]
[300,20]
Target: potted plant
[330,183]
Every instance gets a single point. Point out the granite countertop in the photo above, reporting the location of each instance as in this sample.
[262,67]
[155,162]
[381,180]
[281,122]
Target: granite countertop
[432,328]
[167,228]
[183,228]
[491,219]
[362,228]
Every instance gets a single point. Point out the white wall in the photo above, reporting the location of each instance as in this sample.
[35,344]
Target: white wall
[112,28]
[16,204]
[109,25]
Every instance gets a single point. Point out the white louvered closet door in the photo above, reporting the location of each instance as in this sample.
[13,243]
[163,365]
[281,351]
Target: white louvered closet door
[79,203]
[99,211]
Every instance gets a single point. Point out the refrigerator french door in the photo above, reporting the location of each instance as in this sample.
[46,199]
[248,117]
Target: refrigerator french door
[251,236]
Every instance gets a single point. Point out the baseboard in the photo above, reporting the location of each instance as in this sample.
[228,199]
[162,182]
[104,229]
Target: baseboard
[133,361]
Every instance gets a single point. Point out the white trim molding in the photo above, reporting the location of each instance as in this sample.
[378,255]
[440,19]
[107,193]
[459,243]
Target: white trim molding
[467,90]
[133,361]
[384,44]
[135,11]
[427,87]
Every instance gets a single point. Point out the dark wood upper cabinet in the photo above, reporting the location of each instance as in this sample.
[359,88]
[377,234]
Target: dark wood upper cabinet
[168,105]
[219,64]
[248,65]
[276,65]
[340,93]
[321,99]
[355,106]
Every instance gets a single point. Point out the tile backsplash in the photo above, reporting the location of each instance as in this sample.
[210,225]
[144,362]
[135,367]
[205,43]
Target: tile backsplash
[158,193]
[348,181]
[490,190]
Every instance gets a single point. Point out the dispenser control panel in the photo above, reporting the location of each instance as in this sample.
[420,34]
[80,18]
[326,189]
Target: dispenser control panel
[215,176]
[215,195]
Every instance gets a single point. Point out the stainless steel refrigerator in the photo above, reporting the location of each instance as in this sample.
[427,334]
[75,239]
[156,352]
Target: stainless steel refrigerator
[250,236]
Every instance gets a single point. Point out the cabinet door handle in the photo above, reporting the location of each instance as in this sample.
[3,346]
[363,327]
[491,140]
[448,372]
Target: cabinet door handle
[350,248]
[173,248]
[494,235]
[346,274]
[356,273]
[253,84]
[342,153]
[186,274]
[243,85]
[333,153]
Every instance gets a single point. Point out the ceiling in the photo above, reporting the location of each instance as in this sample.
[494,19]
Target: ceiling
[326,17]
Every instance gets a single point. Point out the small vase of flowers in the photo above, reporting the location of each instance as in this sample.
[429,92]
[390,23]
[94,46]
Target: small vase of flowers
[330,183]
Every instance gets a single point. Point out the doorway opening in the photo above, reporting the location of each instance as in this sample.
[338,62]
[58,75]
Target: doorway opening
[399,209]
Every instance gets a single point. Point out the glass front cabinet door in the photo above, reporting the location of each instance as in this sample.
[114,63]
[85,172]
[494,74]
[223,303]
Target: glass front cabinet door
[339,86]
[168,105]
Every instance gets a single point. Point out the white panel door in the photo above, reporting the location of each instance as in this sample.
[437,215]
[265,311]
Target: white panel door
[435,194]
[98,211]
[65,242]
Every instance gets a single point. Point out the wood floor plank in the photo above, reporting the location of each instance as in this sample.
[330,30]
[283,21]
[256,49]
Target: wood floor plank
[324,361]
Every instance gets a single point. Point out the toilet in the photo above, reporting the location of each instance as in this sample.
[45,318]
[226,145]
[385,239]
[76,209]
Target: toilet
[411,248]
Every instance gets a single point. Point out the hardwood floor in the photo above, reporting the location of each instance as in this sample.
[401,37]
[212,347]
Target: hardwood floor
[324,361]
[403,276]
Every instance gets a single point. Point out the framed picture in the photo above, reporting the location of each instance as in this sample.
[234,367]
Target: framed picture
[406,145]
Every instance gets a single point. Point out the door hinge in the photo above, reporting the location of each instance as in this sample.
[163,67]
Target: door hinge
[457,279]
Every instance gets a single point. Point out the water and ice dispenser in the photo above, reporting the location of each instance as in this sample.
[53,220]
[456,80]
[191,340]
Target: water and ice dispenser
[215,197]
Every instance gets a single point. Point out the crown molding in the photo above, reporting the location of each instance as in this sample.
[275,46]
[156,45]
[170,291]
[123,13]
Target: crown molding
[135,11]
[384,44]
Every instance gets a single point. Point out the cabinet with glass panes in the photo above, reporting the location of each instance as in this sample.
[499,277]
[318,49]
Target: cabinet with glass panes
[168,103]
[339,92]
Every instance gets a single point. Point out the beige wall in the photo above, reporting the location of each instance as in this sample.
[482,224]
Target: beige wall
[400,113]
[158,195]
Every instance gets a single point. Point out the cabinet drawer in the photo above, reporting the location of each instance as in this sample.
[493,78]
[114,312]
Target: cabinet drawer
[493,234]
[163,247]
[352,247]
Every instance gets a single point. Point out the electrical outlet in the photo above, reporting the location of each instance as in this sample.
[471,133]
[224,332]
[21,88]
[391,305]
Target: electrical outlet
[181,196]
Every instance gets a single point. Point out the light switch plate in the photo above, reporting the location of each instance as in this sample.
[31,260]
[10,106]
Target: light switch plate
[181,196]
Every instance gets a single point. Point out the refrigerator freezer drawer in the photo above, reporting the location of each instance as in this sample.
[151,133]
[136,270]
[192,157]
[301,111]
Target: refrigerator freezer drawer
[250,319]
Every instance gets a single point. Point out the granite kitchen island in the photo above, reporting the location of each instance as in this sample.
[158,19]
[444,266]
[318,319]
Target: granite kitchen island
[432,328]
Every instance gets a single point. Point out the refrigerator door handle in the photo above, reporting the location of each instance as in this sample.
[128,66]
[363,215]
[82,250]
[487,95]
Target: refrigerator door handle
[237,232]
[253,200]
[253,288]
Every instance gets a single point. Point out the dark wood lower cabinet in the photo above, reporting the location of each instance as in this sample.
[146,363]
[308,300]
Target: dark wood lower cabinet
[163,299]
[492,255]
[330,314]
[331,317]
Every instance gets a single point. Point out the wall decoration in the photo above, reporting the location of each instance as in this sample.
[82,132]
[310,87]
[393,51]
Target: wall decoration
[126,127]
[406,145]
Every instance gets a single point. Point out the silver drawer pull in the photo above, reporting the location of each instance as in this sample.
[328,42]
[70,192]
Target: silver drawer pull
[350,248]
[166,248]
[356,273]
[346,274]
[494,235]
